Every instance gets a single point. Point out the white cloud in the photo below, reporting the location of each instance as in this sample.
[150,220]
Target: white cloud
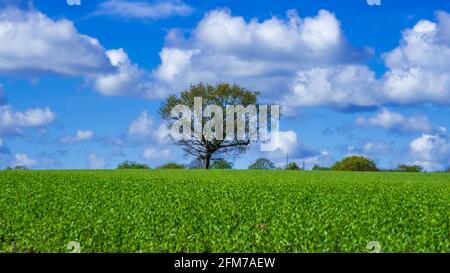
[375,148]
[395,121]
[96,162]
[419,70]
[431,151]
[156,154]
[78,137]
[128,80]
[142,126]
[260,55]
[34,44]
[144,9]
[337,86]
[24,161]
[14,122]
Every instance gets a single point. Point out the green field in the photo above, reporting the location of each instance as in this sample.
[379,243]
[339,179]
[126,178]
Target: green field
[223,211]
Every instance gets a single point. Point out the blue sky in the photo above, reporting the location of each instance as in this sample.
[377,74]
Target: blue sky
[81,84]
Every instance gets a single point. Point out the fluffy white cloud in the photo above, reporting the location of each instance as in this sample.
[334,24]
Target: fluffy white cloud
[14,122]
[419,70]
[79,136]
[128,80]
[375,148]
[96,162]
[142,126]
[337,86]
[34,44]
[261,55]
[431,151]
[395,121]
[24,161]
[157,154]
[144,9]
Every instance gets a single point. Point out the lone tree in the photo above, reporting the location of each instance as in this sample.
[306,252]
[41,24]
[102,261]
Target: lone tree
[355,163]
[262,164]
[223,94]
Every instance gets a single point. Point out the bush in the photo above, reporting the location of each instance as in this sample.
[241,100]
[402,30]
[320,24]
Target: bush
[221,165]
[172,165]
[292,167]
[131,165]
[409,169]
[319,168]
[262,164]
[355,163]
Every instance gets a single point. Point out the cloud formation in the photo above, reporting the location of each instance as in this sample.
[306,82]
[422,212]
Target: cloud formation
[431,151]
[396,121]
[79,136]
[15,122]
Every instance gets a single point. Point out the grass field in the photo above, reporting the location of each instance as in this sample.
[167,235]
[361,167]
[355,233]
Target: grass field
[223,211]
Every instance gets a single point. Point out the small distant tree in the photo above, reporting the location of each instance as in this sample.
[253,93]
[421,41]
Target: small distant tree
[292,167]
[21,168]
[355,163]
[132,165]
[262,164]
[448,170]
[221,164]
[320,168]
[409,169]
[172,165]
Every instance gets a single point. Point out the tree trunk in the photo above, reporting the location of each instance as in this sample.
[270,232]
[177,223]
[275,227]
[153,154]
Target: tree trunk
[207,161]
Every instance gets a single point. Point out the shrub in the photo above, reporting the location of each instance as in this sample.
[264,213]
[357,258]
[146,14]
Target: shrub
[292,167]
[262,164]
[221,165]
[355,163]
[172,165]
[131,165]
[319,168]
[409,169]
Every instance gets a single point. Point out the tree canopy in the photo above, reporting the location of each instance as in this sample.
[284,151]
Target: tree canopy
[262,164]
[355,163]
[221,94]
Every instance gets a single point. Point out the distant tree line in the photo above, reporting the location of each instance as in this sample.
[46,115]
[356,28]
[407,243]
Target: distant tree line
[350,163]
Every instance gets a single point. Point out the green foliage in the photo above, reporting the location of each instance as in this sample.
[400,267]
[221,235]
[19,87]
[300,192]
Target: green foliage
[172,165]
[262,164]
[131,165]
[223,212]
[292,167]
[320,168]
[409,169]
[355,163]
[222,95]
[222,165]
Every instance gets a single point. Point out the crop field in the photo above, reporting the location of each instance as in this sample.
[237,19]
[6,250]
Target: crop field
[223,211]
